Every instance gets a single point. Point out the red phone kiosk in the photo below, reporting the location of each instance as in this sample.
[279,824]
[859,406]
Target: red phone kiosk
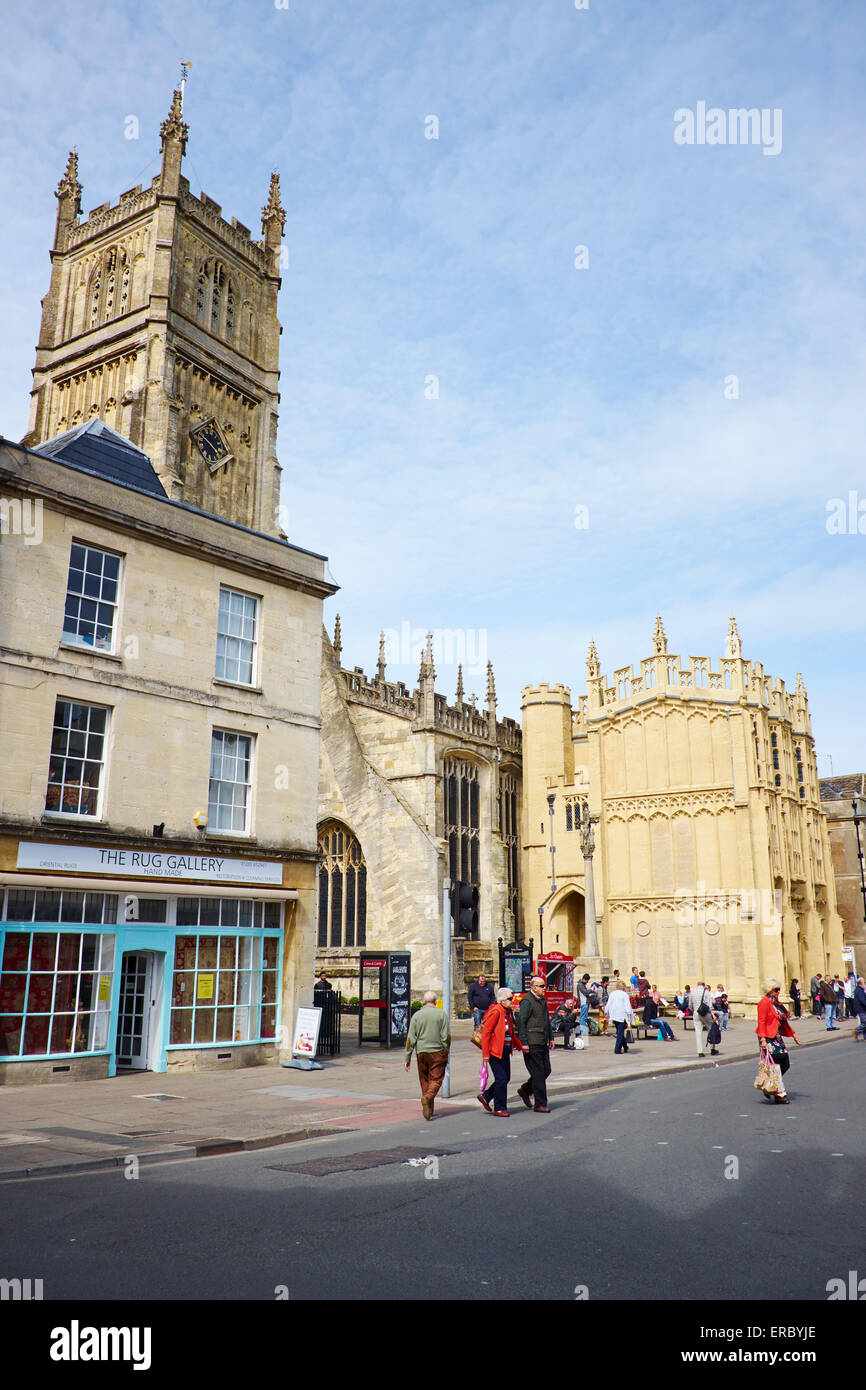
[557,971]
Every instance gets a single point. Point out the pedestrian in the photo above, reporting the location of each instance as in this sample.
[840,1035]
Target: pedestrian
[567,1016]
[773,1027]
[795,996]
[701,999]
[322,981]
[481,996]
[859,1002]
[620,1012]
[720,1004]
[430,1037]
[498,1040]
[682,1001]
[814,985]
[849,988]
[643,984]
[827,996]
[583,996]
[536,1039]
[839,989]
[604,995]
[616,980]
[652,1015]
[634,979]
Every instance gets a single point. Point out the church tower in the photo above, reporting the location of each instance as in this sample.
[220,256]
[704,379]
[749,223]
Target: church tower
[161,320]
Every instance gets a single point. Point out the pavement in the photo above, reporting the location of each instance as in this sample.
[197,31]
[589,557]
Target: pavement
[66,1127]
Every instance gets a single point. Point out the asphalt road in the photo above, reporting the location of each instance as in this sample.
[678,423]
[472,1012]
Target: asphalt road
[622,1192]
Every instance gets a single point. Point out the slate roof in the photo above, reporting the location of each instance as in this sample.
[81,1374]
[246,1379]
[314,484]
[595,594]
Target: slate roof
[96,448]
[840,788]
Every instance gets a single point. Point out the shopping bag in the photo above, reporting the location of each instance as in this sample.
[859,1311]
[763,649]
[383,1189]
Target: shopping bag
[769,1078]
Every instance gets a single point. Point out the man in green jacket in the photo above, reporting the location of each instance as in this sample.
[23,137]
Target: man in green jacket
[536,1035]
[430,1037]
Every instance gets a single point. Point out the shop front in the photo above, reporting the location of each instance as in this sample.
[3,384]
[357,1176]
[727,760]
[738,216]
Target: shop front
[100,975]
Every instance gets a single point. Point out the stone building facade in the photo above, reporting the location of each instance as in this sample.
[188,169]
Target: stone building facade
[160,656]
[838,796]
[413,790]
[711,857]
[161,320]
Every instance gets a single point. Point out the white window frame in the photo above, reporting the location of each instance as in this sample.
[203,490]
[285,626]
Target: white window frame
[60,814]
[69,639]
[218,737]
[242,642]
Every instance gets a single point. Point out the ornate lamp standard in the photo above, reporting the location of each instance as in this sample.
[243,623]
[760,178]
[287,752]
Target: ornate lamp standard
[551,800]
[587,846]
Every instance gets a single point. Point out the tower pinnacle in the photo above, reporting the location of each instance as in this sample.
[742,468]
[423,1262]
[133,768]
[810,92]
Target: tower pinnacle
[174,128]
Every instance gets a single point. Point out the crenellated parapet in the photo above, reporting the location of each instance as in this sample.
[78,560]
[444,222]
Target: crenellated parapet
[423,706]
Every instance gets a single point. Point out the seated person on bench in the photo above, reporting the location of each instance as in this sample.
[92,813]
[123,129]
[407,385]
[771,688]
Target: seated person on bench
[652,1014]
[568,1019]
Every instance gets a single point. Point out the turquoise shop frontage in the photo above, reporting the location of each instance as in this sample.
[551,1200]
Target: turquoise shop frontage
[129,960]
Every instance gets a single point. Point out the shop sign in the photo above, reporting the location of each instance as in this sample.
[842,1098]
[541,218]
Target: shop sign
[133,863]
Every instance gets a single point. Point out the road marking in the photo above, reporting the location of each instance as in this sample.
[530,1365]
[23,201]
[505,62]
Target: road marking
[744,1117]
[697,1112]
[663,1142]
[837,1155]
[718,1146]
[654,1112]
[777,1151]
[841,1119]
[609,1141]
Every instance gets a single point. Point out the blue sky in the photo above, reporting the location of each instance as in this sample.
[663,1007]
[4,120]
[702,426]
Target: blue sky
[601,387]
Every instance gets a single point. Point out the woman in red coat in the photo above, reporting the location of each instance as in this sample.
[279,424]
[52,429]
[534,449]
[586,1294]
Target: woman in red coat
[773,1027]
[498,1040]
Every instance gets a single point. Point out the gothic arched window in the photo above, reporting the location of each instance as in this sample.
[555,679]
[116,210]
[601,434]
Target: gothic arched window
[215,299]
[509,831]
[342,888]
[461,820]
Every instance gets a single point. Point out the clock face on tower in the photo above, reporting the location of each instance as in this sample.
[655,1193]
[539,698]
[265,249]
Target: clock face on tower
[208,439]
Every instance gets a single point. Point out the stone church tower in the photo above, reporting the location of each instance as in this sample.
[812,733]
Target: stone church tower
[161,320]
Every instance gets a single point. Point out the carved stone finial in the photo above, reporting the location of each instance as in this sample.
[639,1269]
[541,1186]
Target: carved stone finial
[735,645]
[800,687]
[593,669]
[428,657]
[338,638]
[69,186]
[491,686]
[459,695]
[380,664]
[660,641]
[273,208]
[174,127]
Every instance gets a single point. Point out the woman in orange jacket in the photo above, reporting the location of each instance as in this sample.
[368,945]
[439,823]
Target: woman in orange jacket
[498,1040]
[773,1027]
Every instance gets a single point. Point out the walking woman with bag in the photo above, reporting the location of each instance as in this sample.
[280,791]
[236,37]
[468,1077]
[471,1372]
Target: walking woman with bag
[773,1027]
[498,1040]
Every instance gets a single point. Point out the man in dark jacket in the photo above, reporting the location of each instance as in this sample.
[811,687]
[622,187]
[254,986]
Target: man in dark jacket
[827,995]
[481,996]
[534,1032]
[813,993]
[859,1002]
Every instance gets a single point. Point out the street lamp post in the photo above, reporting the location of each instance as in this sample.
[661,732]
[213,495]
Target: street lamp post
[587,845]
[860,816]
[550,804]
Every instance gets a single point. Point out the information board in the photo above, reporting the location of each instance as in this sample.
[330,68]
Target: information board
[398,997]
[307,1025]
